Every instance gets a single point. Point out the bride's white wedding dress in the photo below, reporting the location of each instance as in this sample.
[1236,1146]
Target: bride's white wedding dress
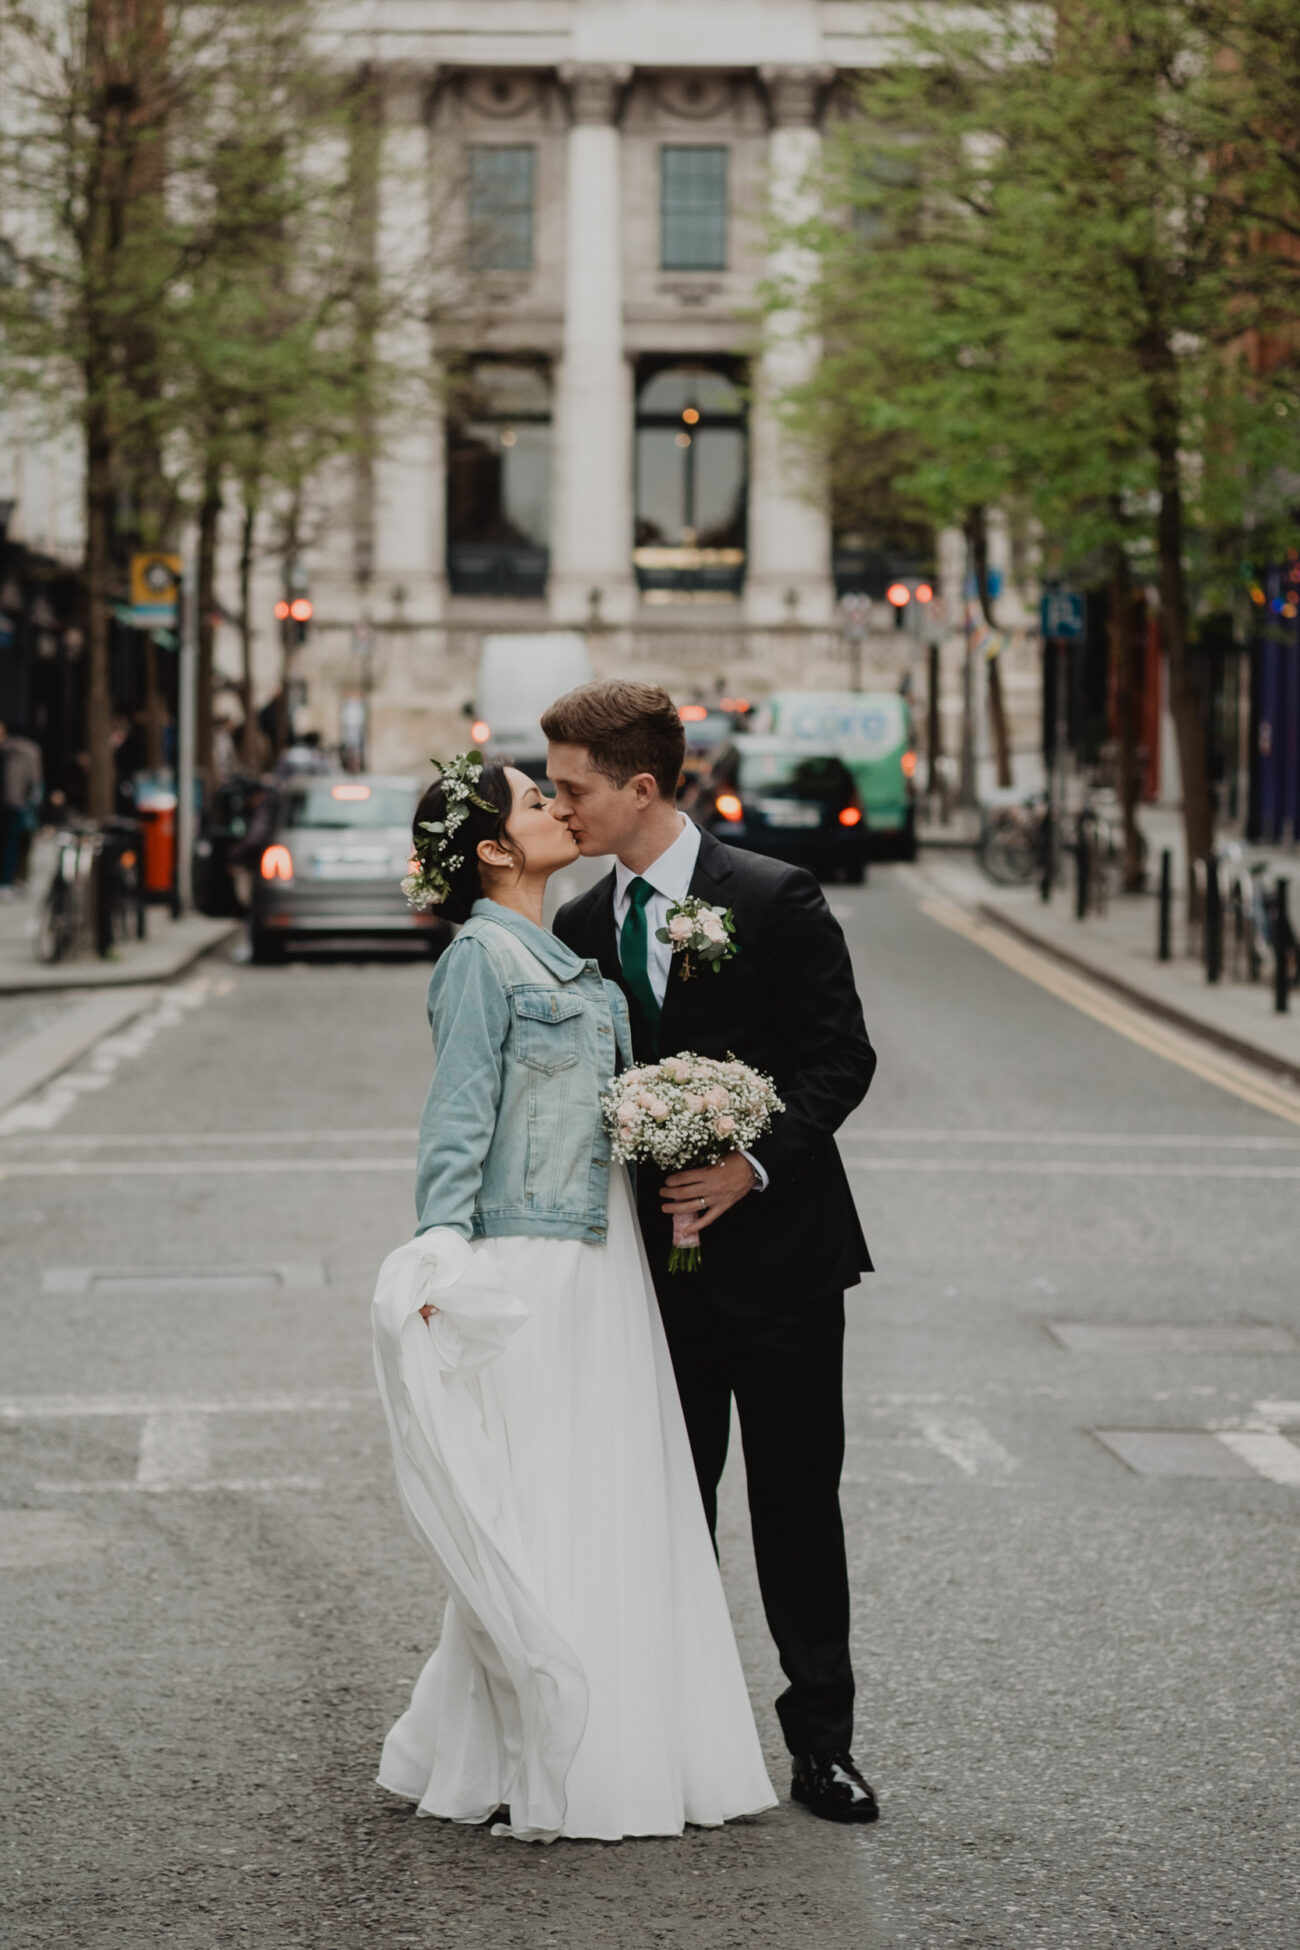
[587,1677]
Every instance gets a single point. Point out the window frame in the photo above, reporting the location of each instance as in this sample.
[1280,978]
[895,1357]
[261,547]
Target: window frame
[684,261]
[505,214]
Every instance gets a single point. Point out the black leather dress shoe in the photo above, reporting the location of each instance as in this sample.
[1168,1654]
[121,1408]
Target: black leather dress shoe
[830,1785]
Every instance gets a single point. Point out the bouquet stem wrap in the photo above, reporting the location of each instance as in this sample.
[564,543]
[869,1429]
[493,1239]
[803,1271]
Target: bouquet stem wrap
[683,1113]
[684,1254]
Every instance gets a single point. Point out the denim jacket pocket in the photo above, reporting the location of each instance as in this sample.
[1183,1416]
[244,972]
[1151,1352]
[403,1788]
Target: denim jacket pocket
[547,1027]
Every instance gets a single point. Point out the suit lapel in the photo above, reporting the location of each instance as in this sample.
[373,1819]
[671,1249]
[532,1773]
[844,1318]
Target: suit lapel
[708,883]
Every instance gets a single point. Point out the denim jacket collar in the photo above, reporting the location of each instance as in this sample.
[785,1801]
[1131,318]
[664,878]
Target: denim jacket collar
[548,948]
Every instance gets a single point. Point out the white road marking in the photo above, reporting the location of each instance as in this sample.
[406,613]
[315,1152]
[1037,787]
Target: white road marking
[197,1167]
[1112,1140]
[1067,1168]
[1272,1456]
[914,1167]
[192,1140]
[967,1443]
[56,1408]
[1176,1046]
[132,1486]
[43,1110]
[175,1452]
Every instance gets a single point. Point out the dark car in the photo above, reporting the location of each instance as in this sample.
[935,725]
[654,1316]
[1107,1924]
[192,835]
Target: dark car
[775,796]
[331,862]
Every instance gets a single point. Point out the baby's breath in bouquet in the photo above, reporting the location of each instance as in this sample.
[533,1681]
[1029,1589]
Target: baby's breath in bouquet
[688,1111]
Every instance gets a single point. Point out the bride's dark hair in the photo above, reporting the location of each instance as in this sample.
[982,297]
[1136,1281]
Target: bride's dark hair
[464,883]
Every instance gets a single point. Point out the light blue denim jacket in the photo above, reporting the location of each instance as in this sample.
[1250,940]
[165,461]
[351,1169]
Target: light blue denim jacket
[525,1033]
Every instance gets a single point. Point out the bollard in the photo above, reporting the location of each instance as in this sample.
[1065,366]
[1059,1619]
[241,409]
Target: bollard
[1164,935]
[1046,854]
[1082,868]
[1281,949]
[1213,920]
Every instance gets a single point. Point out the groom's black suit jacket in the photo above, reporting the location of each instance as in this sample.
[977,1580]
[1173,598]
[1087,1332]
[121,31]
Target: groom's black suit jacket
[785,1003]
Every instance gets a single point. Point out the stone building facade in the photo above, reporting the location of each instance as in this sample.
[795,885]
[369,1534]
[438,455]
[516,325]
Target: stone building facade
[592,181]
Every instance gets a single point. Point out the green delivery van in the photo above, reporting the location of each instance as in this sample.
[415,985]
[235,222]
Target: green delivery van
[872,732]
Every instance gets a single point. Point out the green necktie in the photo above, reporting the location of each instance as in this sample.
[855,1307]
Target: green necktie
[634,954]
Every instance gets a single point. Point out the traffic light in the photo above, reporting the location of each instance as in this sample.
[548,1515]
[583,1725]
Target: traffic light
[294,614]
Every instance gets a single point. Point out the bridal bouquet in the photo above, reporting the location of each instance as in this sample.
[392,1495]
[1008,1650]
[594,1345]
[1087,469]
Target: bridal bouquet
[686,1111]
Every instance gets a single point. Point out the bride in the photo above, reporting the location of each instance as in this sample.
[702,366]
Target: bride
[587,1682]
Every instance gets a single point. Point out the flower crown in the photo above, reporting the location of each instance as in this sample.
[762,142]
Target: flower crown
[429,885]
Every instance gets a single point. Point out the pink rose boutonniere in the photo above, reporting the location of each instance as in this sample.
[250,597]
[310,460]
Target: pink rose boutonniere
[699,933]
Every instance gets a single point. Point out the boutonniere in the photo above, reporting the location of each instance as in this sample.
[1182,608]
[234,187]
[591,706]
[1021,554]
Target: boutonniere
[693,928]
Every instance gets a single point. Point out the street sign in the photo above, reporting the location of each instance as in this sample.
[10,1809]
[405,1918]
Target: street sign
[155,586]
[1062,615]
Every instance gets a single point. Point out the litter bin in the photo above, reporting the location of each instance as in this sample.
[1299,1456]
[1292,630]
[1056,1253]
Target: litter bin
[156,812]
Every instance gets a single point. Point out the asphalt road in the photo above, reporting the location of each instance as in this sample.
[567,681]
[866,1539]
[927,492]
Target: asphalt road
[1077,1681]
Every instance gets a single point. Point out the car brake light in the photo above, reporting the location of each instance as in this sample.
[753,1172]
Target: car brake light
[277,863]
[908,763]
[850,816]
[730,807]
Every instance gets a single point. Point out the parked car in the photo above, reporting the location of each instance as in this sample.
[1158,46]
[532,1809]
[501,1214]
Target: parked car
[776,796]
[331,864]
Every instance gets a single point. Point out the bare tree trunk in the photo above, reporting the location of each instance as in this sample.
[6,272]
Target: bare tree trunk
[1122,658]
[206,599]
[977,537]
[1185,701]
[250,741]
[99,702]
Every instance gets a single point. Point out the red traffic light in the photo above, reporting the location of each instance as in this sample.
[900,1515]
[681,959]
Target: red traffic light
[301,609]
[898,594]
[282,612]
[924,593]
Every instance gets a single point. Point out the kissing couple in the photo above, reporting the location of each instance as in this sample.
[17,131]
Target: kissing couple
[558,1398]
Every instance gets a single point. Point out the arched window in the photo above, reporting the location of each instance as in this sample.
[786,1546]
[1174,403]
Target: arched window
[498,479]
[691,477]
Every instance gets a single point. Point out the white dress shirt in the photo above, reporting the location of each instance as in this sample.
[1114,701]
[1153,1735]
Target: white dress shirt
[670,876]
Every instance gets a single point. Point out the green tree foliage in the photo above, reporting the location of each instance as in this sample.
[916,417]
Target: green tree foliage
[176,188]
[1053,244]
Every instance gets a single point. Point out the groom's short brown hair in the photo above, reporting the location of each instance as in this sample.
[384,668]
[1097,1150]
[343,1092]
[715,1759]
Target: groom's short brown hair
[626,727]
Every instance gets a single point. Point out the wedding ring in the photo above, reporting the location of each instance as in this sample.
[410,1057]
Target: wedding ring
[704,1205]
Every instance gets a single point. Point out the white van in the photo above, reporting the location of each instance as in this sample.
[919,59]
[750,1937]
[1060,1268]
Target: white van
[518,676]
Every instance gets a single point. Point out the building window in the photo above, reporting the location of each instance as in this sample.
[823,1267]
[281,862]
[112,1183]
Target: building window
[693,209]
[501,204]
[498,479]
[691,479]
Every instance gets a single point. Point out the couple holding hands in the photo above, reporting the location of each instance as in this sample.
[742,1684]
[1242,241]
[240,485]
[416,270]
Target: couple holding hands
[559,1395]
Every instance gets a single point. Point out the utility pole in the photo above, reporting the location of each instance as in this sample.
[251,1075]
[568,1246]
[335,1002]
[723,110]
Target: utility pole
[186,726]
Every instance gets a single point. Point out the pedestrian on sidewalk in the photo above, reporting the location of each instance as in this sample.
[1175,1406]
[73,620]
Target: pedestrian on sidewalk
[22,783]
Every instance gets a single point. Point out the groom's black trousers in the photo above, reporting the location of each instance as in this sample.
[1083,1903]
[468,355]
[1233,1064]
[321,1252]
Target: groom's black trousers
[786,1374]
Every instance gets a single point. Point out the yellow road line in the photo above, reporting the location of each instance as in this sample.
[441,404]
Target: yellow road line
[1162,1039]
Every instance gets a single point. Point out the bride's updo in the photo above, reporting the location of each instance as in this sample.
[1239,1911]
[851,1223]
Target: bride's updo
[449,876]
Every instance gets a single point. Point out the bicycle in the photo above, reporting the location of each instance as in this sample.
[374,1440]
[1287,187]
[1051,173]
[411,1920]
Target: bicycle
[1011,842]
[66,911]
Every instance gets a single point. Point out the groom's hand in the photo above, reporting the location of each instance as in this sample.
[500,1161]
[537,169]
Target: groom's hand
[719,1186]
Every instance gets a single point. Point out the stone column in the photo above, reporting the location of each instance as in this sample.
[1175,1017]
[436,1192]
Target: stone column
[788,579]
[591,537]
[408,543]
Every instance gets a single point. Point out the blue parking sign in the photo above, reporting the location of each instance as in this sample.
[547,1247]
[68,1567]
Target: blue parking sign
[1062,615]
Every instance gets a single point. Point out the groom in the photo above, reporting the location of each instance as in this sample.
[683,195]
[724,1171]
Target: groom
[763,1318]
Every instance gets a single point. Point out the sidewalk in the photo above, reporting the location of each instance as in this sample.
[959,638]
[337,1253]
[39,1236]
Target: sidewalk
[1118,948]
[169,947]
